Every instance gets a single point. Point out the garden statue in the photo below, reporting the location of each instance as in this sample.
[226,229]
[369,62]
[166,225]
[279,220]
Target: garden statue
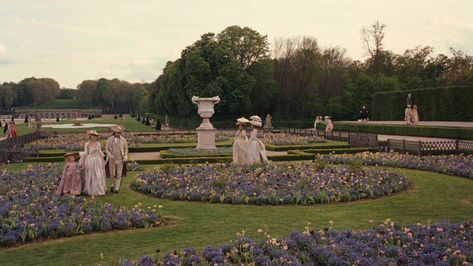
[205,132]
[166,121]
[268,122]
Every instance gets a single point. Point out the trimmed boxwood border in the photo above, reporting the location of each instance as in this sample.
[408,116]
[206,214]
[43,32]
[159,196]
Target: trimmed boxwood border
[166,154]
[271,147]
[340,151]
[405,130]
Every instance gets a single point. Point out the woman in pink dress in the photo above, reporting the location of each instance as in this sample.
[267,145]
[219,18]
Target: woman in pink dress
[329,125]
[11,132]
[71,183]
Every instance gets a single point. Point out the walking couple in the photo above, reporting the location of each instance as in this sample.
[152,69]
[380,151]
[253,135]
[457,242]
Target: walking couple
[252,150]
[88,175]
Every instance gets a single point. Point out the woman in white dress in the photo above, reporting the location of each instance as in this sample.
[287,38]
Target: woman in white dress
[94,166]
[240,143]
[256,148]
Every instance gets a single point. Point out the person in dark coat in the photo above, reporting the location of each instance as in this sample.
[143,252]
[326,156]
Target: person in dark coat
[364,114]
[158,125]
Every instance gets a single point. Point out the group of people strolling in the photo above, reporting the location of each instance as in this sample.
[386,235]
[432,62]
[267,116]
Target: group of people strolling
[327,120]
[9,129]
[249,150]
[411,115]
[87,176]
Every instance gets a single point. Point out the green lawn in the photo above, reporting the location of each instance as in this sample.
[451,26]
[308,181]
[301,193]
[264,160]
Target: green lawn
[130,124]
[431,198]
[21,129]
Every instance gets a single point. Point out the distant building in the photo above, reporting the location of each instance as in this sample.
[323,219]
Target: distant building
[61,113]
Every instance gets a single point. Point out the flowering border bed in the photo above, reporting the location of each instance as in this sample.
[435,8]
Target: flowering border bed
[386,244]
[29,210]
[458,165]
[283,183]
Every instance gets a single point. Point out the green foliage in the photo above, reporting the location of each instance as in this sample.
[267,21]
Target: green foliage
[420,131]
[230,65]
[443,104]
[435,197]
[114,96]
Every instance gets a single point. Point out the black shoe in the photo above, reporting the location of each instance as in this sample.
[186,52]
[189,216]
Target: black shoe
[112,190]
[116,191]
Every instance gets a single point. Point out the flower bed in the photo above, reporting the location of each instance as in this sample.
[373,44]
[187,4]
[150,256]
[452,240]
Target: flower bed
[289,139]
[386,244]
[75,142]
[29,210]
[193,152]
[459,165]
[284,183]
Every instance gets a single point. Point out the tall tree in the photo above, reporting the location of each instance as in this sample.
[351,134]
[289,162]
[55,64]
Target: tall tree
[373,37]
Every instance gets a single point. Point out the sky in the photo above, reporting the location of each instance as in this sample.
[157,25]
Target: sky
[72,41]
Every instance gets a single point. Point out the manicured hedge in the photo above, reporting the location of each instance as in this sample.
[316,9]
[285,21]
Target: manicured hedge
[435,104]
[340,151]
[167,154]
[334,145]
[405,130]
[44,159]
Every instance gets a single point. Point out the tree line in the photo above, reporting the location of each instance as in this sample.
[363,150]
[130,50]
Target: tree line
[298,80]
[29,91]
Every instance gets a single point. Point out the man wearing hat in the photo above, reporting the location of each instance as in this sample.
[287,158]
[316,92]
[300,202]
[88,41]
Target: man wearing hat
[117,153]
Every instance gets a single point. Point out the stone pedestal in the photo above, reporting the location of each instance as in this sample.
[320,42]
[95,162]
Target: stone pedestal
[205,132]
[206,139]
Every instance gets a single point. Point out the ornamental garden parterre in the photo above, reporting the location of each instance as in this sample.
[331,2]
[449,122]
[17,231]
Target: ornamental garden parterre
[31,212]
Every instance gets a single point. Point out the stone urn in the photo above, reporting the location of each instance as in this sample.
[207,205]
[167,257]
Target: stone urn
[205,132]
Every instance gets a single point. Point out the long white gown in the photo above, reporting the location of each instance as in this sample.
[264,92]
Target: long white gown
[94,174]
[256,149]
[240,148]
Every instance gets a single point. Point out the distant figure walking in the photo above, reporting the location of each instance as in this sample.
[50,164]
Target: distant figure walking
[240,144]
[158,125]
[364,114]
[329,125]
[414,115]
[408,115]
[256,148]
[11,131]
[318,119]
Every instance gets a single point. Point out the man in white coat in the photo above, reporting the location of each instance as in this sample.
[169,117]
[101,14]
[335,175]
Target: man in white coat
[117,153]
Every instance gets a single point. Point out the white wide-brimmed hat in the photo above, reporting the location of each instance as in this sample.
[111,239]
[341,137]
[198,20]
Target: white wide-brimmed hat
[242,121]
[256,118]
[93,132]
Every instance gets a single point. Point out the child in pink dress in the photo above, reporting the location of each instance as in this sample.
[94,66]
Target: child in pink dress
[71,183]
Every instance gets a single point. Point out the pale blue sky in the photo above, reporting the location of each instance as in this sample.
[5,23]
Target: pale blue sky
[75,40]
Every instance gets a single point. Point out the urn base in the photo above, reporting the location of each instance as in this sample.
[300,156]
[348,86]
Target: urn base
[206,138]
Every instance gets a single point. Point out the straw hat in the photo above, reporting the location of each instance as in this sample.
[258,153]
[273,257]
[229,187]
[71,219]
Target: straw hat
[69,154]
[117,129]
[242,121]
[92,132]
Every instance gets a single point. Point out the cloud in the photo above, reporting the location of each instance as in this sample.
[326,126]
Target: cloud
[3,52]
[143,69]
